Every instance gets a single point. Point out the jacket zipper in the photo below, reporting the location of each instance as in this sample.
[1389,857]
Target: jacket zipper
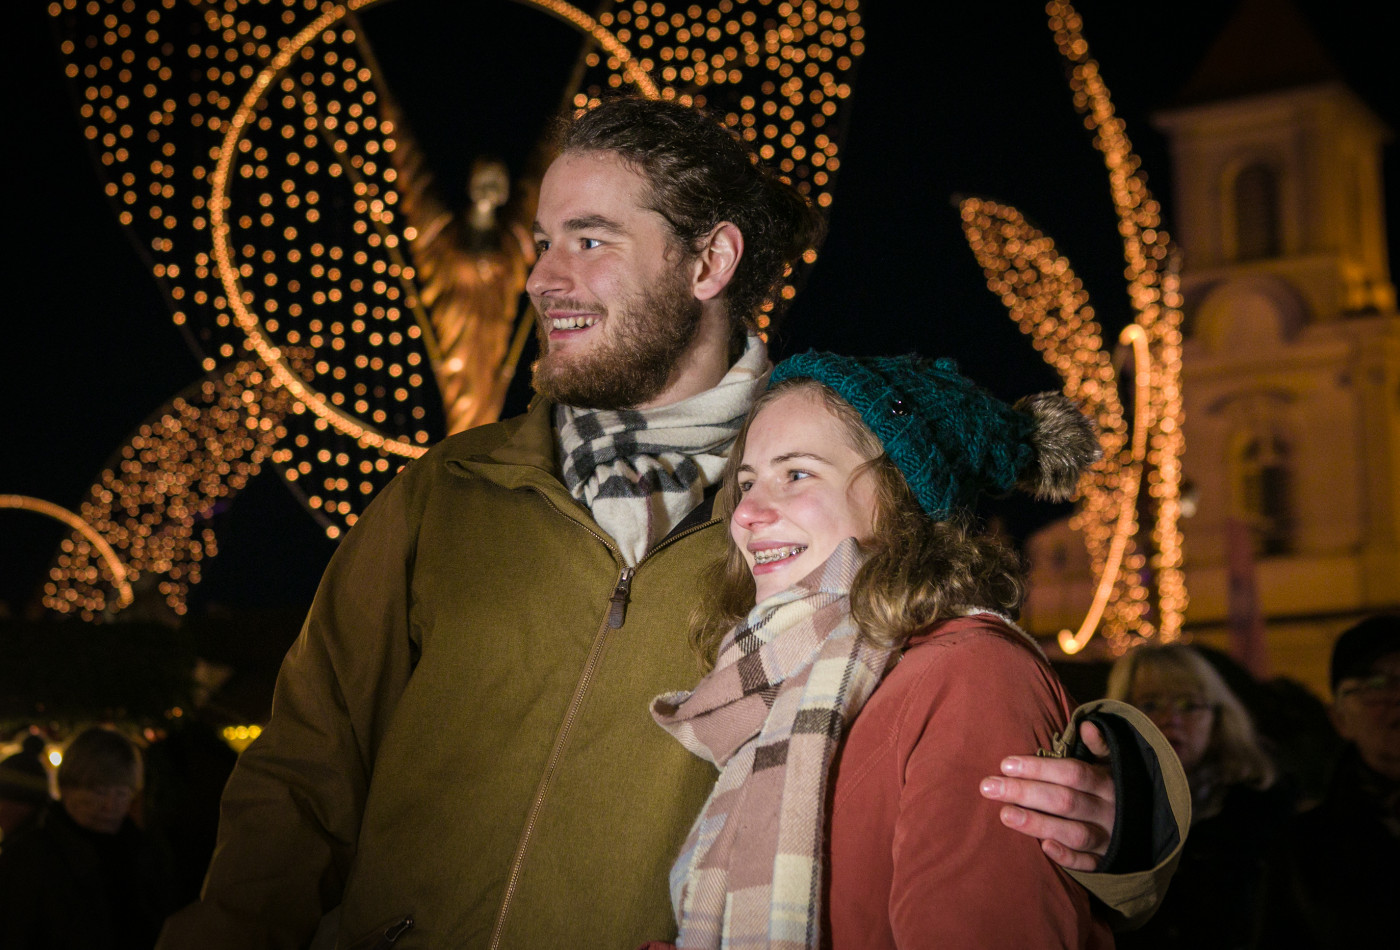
[387,936]
[617,607]
[617,604]
[392,934]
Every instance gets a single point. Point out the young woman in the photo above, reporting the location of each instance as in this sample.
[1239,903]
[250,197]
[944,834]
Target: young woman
[867,672]
[1239,811]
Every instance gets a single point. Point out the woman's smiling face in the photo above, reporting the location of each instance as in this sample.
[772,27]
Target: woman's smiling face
[803,491]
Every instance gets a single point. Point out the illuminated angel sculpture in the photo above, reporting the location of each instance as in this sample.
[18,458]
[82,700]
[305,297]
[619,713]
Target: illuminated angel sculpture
[471,269]
[471,274]
[252,149]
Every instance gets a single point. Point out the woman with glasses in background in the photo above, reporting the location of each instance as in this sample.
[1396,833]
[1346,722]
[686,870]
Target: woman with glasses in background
[1239,809]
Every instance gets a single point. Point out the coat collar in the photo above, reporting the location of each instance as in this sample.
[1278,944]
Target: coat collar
[524,444]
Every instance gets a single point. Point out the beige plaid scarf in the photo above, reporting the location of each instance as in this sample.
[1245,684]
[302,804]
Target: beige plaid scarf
[788,681]
[641,471]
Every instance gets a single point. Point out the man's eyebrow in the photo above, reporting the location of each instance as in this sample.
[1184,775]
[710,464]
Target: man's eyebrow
[588,222]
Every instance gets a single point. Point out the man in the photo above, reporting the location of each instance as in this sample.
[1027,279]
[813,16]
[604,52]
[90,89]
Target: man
[24,789]
[460,753]
[86,875]
[1341,873]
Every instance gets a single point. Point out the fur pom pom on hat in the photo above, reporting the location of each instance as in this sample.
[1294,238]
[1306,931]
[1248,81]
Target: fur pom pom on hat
[952,439]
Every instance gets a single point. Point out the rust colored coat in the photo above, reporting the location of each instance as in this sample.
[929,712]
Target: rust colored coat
[917,857]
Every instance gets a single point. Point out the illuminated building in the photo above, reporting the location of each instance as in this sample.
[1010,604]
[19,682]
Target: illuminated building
[1291,358]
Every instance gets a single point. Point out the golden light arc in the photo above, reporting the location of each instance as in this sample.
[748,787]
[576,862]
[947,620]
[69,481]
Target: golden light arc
[114,564]
[247,321]
[1135,336]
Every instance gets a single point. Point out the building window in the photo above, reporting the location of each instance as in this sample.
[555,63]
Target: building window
[1265,494]
[1256,214]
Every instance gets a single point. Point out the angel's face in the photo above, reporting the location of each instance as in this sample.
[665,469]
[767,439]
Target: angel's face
[611,287]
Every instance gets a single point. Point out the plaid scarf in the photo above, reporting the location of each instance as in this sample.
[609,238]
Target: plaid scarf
[641,471]
[787,682]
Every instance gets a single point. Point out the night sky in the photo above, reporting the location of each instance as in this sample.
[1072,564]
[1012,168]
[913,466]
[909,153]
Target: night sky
[952,99]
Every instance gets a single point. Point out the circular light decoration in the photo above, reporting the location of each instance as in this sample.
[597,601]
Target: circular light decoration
[116,570]
[249,148]
[242,301]
[1042,294]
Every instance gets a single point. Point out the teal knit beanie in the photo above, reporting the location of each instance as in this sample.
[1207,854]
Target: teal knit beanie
[951,439]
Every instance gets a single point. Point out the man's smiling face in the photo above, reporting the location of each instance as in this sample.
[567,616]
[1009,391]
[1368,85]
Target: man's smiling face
[611,287]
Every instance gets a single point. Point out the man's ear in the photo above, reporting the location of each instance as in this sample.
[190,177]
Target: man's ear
[717,261]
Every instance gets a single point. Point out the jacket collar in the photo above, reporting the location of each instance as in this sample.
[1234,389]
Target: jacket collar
[522,442]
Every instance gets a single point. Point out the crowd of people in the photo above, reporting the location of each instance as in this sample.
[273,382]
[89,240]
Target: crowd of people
[784,566]
[91,867]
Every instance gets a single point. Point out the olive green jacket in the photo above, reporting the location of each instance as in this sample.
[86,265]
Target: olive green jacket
[460,734]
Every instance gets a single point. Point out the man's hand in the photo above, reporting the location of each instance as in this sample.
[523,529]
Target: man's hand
[1066,803]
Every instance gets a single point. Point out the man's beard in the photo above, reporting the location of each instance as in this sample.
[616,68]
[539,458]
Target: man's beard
[648,334]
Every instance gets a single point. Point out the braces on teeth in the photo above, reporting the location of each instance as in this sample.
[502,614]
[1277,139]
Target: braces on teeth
[777,554]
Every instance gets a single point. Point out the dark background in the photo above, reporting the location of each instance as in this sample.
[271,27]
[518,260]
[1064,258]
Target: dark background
[949,99]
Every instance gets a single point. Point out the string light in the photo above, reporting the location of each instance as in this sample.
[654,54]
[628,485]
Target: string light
[152,502]
[1048,302]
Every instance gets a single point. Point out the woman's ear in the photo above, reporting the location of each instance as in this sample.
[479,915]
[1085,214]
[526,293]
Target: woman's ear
[717,261]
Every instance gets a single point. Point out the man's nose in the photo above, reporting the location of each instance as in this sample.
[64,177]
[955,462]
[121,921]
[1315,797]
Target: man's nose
[549,275]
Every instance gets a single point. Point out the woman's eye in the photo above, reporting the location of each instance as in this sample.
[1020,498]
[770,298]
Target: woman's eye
[744,487]
[797,473]
[541,247]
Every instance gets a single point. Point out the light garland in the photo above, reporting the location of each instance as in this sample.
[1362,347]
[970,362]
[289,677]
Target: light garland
[152,502]
[1048,302]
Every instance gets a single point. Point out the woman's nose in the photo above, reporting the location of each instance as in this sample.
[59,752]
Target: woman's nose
[754,509]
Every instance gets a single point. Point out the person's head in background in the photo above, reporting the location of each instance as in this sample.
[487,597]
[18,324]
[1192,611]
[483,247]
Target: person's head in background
[98,779]
[1206,724]
[1365,675]
[24,784]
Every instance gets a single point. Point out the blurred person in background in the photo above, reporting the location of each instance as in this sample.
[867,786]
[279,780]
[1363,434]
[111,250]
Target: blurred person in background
[1338,881]
[1292,723]
[24,790]
[86,877]
[1239,809]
